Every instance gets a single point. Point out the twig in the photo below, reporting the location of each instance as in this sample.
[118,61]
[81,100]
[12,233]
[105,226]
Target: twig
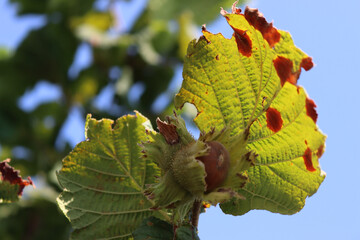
[195,213]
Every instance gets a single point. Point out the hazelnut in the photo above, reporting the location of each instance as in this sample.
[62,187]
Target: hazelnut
[217,163]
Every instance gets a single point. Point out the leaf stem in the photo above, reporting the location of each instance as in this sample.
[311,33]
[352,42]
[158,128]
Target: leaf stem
[195,213]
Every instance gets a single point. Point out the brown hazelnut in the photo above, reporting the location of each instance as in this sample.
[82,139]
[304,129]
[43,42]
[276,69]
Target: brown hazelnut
[217,164]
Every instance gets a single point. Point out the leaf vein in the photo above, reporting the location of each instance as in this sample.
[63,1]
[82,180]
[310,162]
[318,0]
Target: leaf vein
[99,190]
[265,198]
[110,213]
[236,87]
[216,97]
[279,176]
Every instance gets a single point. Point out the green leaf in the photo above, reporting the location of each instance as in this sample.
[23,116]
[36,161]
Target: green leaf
[8,192]
[104,178]
[155,229]
[250,82]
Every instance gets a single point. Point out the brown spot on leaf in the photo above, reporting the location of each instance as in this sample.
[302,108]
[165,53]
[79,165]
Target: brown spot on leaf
[273,119]
[320,151]
[284,68]
[306,63]
[217,57]
[310,109]
[11,175]
[243,42]
[257,20]
[169,132]
[308,160]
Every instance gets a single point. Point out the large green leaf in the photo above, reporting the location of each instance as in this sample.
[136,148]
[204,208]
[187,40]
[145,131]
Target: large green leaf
[104,178]
[250,81]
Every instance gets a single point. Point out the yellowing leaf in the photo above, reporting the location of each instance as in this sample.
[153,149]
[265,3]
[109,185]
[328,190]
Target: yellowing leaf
[11,183]
[250,82]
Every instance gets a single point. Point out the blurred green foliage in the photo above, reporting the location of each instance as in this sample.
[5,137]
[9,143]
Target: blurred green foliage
[147,54]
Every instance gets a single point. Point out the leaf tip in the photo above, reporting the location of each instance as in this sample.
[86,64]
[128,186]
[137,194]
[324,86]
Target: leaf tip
[258,21]
[234,10]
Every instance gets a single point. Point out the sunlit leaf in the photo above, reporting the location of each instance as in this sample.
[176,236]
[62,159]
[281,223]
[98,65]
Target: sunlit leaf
[250,81]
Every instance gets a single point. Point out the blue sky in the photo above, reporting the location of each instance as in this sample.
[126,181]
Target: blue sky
[329,32]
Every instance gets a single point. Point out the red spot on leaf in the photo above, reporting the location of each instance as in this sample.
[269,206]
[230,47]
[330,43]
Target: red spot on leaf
[257,20]
[306,63]
[273,119]
[308,160]
[11,175]
[243,42]
[284,68]
[320,151]
[310,109]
